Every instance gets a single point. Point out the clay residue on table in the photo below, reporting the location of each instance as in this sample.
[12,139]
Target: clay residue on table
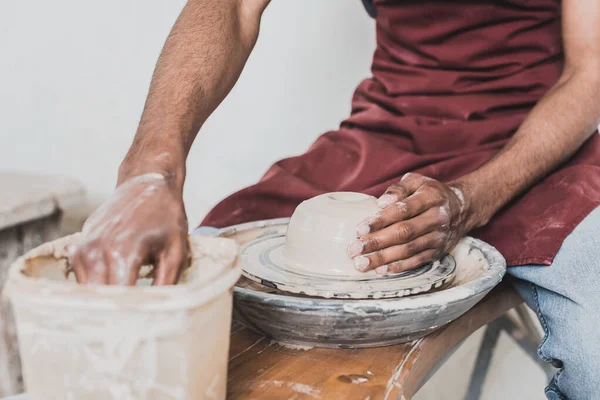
[296,387]
[293,346]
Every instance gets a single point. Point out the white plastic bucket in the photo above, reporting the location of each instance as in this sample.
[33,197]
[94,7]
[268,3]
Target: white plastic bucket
[98,342]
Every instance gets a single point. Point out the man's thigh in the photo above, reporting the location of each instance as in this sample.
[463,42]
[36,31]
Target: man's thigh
[566,298]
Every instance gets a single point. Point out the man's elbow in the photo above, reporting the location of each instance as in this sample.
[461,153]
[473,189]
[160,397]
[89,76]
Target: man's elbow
[250,13]
[586,70]
[255,7]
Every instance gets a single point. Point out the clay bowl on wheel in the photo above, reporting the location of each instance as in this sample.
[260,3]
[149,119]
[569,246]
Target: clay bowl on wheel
[321,230]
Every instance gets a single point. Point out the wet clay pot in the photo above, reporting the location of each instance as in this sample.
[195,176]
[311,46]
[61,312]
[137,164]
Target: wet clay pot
[321,229]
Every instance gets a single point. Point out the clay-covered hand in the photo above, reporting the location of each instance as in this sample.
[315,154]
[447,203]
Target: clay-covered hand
[143,222]
[422,219]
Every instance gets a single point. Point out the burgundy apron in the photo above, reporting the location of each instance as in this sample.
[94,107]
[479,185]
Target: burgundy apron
[452,81]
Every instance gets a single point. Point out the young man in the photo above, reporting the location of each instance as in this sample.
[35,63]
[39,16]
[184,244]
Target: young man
[479,118]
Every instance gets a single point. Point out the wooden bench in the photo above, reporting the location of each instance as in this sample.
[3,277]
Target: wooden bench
[262,369]
[30,214]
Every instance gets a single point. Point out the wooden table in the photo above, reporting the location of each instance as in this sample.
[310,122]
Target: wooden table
[30,214]
[262,369]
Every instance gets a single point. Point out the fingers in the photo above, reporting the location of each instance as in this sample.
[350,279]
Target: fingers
[417,223]
[93,264]
[413,262]
[399,233]
[170,263]
[142,223]
[406,199]
[398,253]
[88,264]
[399,191]
[415,204]
[119,265]
[123,264]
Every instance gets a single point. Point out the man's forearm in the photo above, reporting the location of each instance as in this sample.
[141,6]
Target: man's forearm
[556,127]
[199,64]
[559,124]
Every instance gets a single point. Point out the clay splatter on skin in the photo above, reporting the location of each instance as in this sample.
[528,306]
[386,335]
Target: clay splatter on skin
[426,222]
[114,244]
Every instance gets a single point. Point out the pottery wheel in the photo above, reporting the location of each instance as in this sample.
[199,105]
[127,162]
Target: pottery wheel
[355,323]
[263,261]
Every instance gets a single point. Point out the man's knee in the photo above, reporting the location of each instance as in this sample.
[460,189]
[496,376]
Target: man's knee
[571,343]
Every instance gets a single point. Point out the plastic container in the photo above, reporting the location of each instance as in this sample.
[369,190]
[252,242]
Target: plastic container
[142,342]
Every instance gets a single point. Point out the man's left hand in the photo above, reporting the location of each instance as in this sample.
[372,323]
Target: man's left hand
[421,220]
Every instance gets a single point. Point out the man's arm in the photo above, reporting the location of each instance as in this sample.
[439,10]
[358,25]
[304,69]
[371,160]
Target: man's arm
[202,59]
[144,220]
[430,217]
[556,127]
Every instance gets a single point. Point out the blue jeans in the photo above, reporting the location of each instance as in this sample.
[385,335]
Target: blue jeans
[566,297]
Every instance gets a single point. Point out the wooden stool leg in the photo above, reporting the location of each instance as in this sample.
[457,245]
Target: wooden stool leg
[484,359]
[527,337]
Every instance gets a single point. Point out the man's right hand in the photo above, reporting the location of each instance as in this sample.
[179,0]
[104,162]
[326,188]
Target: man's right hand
[143,222]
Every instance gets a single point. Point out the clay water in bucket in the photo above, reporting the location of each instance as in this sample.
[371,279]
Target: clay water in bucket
[311,258]
[124,343]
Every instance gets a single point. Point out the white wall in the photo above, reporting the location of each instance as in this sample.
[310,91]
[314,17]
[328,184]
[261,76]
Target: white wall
[74,75]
